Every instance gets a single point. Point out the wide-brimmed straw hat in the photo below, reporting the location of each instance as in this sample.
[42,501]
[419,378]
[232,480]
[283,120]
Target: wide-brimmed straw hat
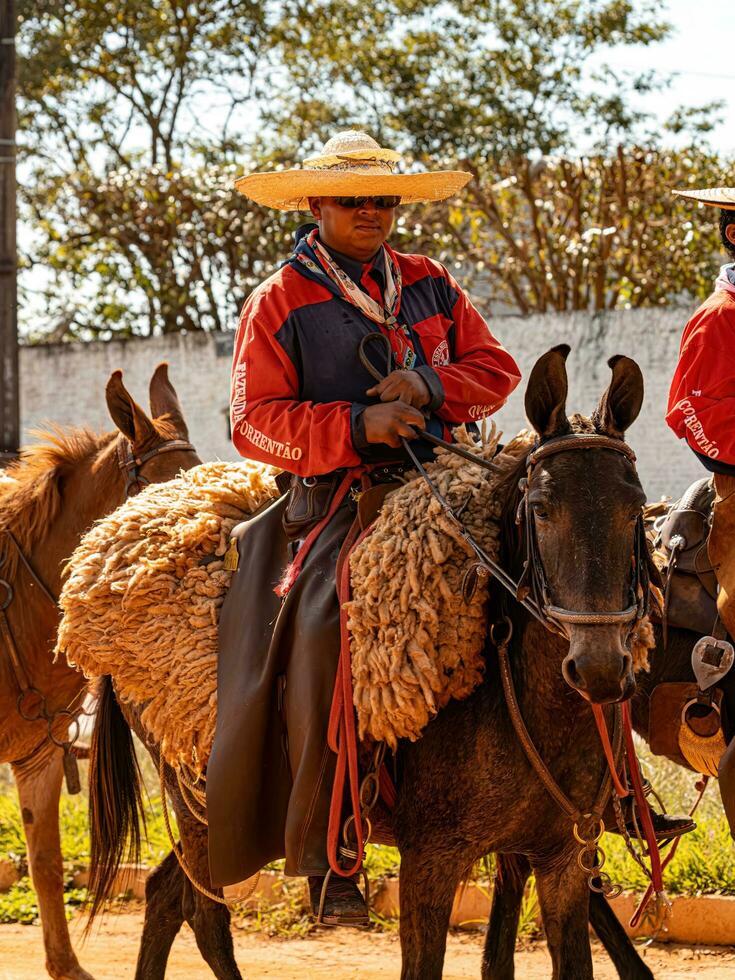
[351,164]
[715,197]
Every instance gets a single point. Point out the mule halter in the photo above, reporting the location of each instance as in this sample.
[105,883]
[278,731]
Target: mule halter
[131,464]
[533,579]
[531,591]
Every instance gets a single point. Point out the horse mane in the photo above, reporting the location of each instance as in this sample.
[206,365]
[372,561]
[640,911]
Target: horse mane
[30,488]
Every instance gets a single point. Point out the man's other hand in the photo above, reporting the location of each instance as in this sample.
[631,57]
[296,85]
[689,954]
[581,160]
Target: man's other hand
[405,386]
[390,421]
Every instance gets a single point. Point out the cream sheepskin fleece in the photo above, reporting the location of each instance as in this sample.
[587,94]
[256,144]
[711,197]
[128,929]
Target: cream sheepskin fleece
[415,642]
[142,597]
[143,593]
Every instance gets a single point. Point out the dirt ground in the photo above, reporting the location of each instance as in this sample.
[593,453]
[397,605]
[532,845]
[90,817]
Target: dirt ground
[345,955]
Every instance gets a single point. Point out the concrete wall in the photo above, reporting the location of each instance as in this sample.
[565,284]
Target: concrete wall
[65,382]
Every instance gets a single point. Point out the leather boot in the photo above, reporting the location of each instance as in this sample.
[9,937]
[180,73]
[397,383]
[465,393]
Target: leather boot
[665,825]
[343,903]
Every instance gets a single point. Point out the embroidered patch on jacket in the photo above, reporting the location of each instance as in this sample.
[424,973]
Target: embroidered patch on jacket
[440,355]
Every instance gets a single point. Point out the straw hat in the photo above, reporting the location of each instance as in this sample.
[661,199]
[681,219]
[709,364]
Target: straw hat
[351,164]
[715,197]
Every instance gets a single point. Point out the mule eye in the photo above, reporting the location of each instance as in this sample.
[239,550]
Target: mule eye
[539,512]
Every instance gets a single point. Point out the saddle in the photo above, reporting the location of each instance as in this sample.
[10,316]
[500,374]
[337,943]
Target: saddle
[682,535]
[688,720]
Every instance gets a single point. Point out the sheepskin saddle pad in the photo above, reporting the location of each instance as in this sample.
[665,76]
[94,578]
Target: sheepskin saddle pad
[144,588]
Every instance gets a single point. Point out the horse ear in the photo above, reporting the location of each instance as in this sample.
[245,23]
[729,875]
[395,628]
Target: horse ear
[621,403]
[164,400]
[125,412]
[546,394]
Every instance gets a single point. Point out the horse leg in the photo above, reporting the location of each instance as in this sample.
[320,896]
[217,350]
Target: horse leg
[164,914]
[428,882]
[209,920]
[564,899]
[511,874]
[616,941]
[39,788]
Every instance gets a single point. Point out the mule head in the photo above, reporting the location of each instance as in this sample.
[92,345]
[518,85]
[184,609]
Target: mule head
[583,514]
[148,434]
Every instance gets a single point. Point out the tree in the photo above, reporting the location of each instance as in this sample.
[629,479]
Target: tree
[593,233]
[136,116]
[152,251]
[486,80]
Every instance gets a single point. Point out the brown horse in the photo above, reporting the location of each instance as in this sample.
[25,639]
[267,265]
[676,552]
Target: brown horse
[466,788]
[672,663]
[53,494]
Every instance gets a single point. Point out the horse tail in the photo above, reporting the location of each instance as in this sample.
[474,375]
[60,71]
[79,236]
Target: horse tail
[115,798]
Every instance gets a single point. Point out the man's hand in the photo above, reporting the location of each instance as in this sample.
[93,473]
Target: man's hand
[391,420]
[405,386]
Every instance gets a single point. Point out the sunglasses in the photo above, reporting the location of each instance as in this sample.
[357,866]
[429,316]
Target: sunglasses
[382,203]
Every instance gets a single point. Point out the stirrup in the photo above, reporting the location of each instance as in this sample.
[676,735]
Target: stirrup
[362,873]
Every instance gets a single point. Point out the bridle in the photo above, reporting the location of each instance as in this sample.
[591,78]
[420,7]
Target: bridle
[533,578]
[131,464]
[531,590]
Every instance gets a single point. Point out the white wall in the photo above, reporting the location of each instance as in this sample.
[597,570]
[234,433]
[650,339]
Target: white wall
[65,382]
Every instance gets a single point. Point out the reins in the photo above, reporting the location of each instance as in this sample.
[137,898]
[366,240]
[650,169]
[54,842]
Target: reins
[531,590]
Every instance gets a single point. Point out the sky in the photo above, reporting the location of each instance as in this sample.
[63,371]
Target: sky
[700,54]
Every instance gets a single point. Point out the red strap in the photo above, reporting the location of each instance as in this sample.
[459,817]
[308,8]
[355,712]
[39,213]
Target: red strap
[293,570]
[597,711]
[657,884]
[342,735]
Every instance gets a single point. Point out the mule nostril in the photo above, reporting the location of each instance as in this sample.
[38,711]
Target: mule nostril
[626,666]
[573,677]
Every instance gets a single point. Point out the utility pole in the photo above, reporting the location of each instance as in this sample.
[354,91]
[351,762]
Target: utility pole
[9,386]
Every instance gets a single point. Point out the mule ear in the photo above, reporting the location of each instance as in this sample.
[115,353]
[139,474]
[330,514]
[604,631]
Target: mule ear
[164,400]
[127,415]
[621,403]
[546,394]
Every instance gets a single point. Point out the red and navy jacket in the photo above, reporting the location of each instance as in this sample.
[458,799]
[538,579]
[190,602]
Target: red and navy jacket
[701,405]
[298,387]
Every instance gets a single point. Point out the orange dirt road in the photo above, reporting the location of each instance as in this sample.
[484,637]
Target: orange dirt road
[110,954]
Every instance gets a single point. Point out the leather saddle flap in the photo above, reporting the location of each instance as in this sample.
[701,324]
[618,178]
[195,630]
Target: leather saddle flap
[664,722]
[690,604]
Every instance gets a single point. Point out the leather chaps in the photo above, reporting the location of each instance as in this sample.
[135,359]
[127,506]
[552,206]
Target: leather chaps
[270,775]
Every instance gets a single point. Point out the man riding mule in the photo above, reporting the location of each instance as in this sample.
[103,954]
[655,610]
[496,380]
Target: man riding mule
[701,410]
[305,398]
[515,766]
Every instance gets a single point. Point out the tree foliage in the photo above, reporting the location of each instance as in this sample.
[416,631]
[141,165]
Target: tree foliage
[136,117]
[594,233]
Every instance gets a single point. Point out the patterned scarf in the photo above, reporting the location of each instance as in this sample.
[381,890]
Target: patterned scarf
[320,263]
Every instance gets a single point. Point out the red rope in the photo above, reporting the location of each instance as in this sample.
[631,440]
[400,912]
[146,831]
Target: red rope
[644,810]
[293,570]
[599,715]
[342,735]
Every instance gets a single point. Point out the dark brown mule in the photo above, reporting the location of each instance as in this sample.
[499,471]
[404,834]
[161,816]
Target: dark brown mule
[672,664]
[466,788]
[55,491]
